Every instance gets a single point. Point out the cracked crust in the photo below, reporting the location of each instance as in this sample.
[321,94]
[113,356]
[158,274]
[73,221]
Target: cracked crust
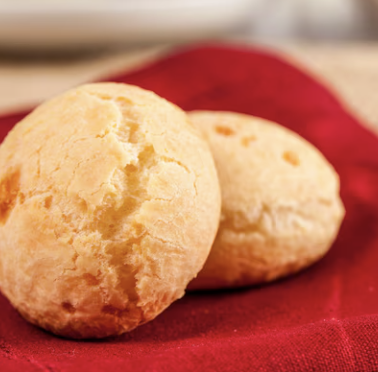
[281,209]
[109,204]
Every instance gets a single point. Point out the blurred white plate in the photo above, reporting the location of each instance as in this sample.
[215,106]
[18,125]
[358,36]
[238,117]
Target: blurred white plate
[61,23]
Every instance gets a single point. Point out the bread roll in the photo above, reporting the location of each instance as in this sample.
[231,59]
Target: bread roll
[109,205]
[281,208]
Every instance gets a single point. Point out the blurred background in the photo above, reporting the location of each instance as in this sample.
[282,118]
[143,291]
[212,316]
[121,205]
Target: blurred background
[47,46]
[70,24]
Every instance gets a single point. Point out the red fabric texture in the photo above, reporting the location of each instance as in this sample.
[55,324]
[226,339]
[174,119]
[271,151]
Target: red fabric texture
[323,319]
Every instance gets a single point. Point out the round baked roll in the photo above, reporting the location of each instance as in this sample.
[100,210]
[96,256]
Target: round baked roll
[281,208]
[109,205]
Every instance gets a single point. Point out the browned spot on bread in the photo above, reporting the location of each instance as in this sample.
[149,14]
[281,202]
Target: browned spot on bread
[21,198]
[47,202]
[9,188]
[67,306]
[245,141]
[109,309]
[90,279]
[224,131]
[291,158]
[138,229]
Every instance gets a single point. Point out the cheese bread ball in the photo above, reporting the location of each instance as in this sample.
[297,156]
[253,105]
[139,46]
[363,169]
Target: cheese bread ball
[109,205]
[281,209]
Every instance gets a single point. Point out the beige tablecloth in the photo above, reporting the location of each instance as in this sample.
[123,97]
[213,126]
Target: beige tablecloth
[350,70]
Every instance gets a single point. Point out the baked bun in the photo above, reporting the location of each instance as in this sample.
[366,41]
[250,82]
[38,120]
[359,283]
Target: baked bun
[281,208]
[109,205]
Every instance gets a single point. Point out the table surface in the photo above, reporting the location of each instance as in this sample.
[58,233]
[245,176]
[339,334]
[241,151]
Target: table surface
[351,71]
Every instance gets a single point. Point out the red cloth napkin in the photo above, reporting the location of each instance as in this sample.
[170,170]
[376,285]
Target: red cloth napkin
[323,319]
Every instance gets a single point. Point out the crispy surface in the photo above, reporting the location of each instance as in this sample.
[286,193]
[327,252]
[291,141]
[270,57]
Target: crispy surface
[109,204]
[281,208]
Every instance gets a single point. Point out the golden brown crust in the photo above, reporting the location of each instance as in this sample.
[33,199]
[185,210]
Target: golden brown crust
[281,208]
[109,204]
